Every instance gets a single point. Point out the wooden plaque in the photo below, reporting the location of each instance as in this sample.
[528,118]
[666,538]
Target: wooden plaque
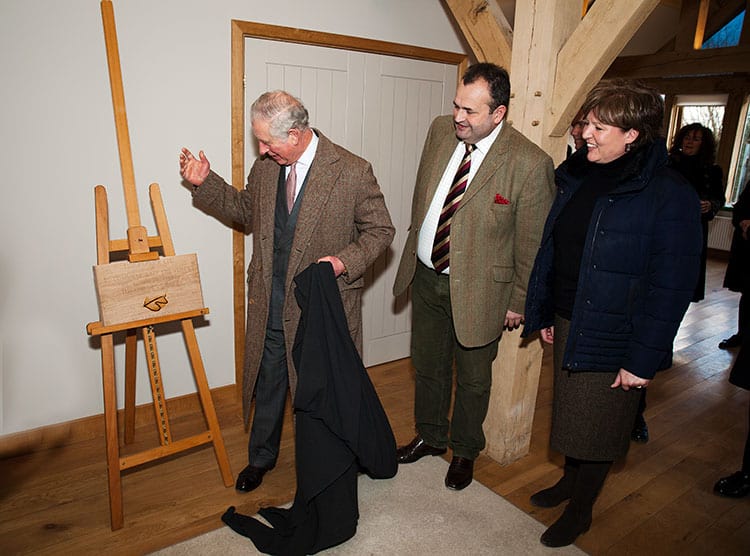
[130,292]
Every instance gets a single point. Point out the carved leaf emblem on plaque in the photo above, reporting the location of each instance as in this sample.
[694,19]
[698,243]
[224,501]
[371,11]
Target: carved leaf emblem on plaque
[155,304]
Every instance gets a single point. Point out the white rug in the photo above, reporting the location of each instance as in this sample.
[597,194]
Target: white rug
[413,514]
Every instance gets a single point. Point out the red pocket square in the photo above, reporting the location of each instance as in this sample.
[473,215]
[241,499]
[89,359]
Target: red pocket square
[500,200]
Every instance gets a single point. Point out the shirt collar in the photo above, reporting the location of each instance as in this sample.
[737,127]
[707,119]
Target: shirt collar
[483,145]
[307,157]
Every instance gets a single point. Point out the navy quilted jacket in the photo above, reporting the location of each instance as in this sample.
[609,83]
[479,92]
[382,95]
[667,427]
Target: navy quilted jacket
[638,271]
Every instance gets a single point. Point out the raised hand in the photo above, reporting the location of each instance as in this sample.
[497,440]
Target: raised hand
[194,169]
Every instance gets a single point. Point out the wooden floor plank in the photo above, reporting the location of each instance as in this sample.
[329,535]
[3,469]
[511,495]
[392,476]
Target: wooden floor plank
[659,500]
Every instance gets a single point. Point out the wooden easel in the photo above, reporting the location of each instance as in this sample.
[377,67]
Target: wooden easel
[141,260]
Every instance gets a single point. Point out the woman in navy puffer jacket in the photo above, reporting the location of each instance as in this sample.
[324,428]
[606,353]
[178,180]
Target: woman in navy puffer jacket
[613,277]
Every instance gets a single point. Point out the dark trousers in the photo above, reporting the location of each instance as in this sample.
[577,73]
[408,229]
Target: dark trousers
[640,420]
[739,375]
[746,455]
[270,399]
[434,348]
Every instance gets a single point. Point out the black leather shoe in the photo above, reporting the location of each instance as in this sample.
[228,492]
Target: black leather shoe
[250,478]
[417,449]
[731,342]
[639,432]
[736,485]
[460,473]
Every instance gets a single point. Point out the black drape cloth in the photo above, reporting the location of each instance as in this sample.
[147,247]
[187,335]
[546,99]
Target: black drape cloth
[340,430]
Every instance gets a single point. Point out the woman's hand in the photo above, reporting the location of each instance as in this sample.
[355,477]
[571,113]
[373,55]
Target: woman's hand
[548,334]
[627,380]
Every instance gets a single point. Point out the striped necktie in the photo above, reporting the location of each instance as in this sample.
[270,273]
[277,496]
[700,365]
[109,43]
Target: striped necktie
[441,246]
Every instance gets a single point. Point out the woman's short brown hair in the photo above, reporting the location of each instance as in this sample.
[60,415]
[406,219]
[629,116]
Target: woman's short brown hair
[628,105]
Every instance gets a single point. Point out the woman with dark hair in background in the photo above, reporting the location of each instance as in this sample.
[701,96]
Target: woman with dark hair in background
[613,277]
[693,154]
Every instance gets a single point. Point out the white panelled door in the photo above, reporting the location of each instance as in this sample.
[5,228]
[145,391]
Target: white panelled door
[378,107]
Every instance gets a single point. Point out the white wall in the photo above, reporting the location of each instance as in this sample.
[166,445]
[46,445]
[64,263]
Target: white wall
[57,139]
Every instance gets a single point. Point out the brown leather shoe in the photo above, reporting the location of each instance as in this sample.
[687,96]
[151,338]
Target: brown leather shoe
[416,449]
[460,473]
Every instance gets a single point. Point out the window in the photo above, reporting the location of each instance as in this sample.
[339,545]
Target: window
[729,35]
[739,173]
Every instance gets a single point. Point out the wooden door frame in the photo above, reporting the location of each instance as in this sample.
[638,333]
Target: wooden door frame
[242,30]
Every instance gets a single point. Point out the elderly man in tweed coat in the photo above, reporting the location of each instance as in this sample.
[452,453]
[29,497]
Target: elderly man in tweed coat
[461,308]
[306,200]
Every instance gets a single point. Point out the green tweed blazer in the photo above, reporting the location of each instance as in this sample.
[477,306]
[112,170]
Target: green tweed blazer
[495,232]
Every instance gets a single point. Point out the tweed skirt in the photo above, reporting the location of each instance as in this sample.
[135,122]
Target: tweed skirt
[590,420]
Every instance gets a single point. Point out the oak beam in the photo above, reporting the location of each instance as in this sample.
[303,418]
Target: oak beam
[712,61]
[542,27]
[691,26]
[585,57]
[707,85]
[485,29]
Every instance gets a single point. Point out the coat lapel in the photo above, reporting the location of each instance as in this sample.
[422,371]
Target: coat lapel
[321,178]
[492,161]
[267,208]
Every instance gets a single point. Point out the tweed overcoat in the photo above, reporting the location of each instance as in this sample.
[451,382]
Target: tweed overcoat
[495,232]
[342,213]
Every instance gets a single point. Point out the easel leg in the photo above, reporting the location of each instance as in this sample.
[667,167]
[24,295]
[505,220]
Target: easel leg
[131,341]
[206,401]
[111,432]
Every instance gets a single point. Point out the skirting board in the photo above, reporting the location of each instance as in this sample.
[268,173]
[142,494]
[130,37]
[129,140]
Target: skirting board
[86,428]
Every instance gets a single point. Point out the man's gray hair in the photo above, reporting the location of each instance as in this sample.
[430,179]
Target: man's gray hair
[282,111]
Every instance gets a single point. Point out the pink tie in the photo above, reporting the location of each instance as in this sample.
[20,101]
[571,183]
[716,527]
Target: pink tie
[291,187]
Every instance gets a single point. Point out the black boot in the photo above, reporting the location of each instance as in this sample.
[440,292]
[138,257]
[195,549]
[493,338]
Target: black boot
[561,491]
[640,430]
[576,519]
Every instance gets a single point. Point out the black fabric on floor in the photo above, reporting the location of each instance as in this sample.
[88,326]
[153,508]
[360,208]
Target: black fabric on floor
[341,429]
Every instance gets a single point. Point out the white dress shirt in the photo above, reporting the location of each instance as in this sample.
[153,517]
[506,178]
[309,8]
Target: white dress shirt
[430,224]
[303,164]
